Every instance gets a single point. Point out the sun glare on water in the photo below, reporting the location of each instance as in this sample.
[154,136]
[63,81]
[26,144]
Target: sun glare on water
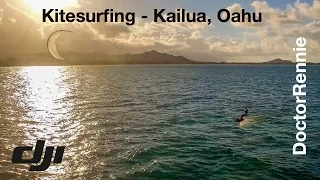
[38,5]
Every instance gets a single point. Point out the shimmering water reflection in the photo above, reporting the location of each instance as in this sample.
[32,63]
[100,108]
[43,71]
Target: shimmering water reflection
[158,122]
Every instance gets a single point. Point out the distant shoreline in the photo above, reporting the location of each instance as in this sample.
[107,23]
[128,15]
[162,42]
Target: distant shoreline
[146,58]
[229,64]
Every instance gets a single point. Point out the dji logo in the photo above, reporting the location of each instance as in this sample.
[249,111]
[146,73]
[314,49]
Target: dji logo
[18,151]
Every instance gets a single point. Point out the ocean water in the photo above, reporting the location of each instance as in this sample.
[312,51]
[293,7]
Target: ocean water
[159,122]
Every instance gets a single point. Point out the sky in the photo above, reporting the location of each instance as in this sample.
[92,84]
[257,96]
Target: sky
[22,30]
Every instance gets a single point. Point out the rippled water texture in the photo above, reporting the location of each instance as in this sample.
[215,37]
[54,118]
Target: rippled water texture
[158,122]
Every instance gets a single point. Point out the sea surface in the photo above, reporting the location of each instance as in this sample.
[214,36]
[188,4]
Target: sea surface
[159,121]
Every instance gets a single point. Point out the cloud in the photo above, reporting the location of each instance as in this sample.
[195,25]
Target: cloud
[238,9]
[12,20]
[196,41]
[282,39]
[16,37]
[1,12]
[270,15]
[275,16]
[306,10]
[176,38]
[311,32]
[107,30]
